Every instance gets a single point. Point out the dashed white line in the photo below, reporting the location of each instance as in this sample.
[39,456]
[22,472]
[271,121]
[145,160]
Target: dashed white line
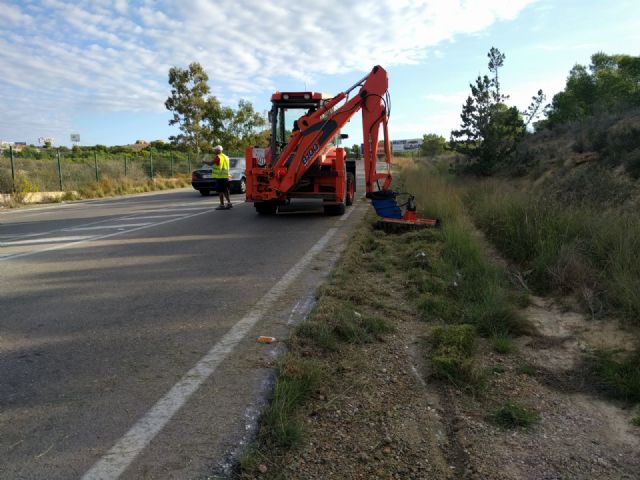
[106,227]
[141,217]
[36,241]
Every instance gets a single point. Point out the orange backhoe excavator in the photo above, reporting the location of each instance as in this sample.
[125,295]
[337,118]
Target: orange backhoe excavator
[304,162]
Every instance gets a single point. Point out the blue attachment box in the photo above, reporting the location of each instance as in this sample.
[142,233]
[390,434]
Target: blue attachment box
[387,208]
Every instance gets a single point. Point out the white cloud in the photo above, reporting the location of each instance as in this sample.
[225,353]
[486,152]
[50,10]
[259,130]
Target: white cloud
[12,15]
[113,56]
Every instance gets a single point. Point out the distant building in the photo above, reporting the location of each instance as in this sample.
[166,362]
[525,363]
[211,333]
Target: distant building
[17,146]
[409,145]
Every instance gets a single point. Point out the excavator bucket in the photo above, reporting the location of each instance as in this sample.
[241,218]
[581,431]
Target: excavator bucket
[392,219]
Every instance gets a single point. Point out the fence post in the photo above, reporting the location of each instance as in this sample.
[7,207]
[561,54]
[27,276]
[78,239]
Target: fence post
[59,171]
[171,172]
[150,165]
[13,169]
[189,162]
[95,158]
[125,165]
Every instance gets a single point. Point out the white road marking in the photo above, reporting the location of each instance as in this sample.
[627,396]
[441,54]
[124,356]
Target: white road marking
[120,456]
[174,208]
[346,215]
[104,227]
[98,237]
[135,217]
[36,241]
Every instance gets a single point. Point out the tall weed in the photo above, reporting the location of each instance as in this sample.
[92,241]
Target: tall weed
[475,292]
[562,248]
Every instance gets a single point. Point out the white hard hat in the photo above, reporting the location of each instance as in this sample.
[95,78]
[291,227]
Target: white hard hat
[217,148]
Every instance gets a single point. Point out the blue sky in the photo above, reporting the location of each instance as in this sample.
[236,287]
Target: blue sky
[99,68]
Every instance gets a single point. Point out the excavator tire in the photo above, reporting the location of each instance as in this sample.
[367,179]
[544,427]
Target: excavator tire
[266,208]
[351,183]
[335,210]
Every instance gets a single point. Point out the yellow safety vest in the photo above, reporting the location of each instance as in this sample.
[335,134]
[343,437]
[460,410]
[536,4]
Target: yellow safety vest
[221,170]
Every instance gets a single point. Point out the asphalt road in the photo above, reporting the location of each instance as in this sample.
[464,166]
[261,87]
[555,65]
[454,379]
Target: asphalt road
[128,329]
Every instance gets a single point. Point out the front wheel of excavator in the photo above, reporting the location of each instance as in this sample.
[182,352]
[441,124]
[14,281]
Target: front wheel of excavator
[351,189]
[335,210]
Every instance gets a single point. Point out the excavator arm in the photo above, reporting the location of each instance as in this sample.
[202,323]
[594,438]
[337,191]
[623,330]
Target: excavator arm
[320,127]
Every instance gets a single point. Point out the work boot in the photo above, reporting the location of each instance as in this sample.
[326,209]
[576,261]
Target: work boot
[221,207]
[229,206]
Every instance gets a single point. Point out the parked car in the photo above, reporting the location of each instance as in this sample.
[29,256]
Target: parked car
[202,180]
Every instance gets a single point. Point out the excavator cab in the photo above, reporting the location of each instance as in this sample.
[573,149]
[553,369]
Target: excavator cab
[286,109]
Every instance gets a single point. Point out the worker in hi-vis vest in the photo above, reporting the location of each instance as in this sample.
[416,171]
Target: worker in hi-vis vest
[220,171]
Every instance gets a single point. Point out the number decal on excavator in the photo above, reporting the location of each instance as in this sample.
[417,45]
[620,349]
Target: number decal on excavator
[314,148]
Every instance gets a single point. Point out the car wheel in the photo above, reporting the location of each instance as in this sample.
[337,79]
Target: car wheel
[204,192]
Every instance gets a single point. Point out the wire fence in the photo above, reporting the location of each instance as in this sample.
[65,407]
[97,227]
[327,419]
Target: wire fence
[58,170]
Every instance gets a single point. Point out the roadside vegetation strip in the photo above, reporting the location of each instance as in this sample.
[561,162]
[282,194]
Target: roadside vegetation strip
[571,250]
[564,248]
[105,187]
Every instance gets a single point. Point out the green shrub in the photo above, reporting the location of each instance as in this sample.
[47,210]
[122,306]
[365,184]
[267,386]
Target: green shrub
[318,333]
[23,186]
[527,370]
[512,415]
[452,352]
[335,320]
[296,380]
[503,344]
[621,378]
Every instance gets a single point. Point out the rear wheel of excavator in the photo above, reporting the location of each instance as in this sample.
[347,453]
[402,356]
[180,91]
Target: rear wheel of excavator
[335,210]
[340,208]
[351,189]
[266,208]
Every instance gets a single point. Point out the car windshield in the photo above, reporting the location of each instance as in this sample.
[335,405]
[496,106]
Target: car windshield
[236,163]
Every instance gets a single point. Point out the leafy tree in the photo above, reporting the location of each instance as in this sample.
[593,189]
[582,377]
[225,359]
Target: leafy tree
[203,120]
[433,144]
[535,108]
[240,127]
[610,84]
[496,61]
[263,139]
[354,151]
[188,103]
[490,130]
